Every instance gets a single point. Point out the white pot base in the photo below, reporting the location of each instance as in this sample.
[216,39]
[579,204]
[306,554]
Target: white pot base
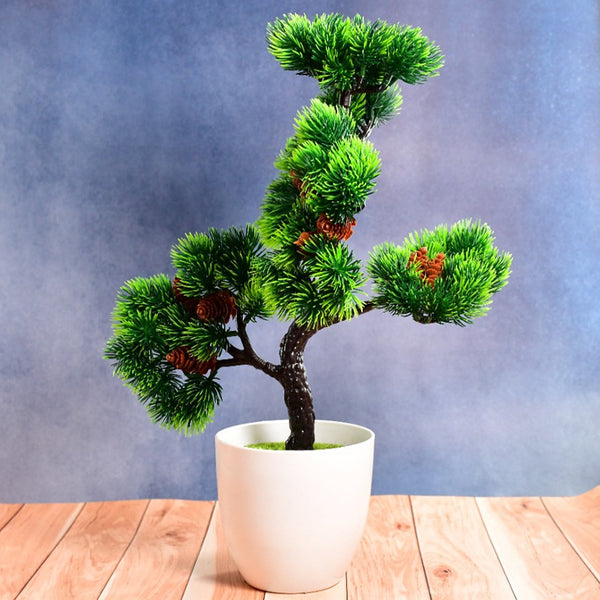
[293,519]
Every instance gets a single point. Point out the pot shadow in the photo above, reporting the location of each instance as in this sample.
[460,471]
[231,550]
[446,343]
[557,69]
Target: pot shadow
[231,579]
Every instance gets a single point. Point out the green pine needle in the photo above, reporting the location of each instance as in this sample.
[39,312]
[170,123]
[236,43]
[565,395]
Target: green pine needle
[350,54]
[323,124]
[473,271]
[349,178]
[322,288]
[327,168]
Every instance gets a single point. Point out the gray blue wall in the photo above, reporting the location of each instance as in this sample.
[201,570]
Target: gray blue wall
[124,125]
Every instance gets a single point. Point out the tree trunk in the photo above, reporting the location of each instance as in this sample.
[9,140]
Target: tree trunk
[297,393]
[298,399]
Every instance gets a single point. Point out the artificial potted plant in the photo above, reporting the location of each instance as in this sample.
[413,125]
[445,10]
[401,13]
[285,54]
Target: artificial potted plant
[174,336]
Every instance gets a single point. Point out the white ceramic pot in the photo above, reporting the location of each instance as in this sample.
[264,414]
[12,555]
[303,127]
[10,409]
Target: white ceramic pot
[293,519]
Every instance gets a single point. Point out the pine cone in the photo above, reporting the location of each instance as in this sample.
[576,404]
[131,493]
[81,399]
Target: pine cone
[188,303]
[434,269]
[429,270]
[181,359]
[219,306]
[419,256]
[304,237]
[335,231]
[297,183]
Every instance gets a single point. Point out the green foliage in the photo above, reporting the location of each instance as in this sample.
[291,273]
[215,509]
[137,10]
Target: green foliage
[345,54]
[143,294]
[204,340]
[319,291]
[370,110]
[195,257]
[473,271]
[217,260]
[349,177]
[323,124]
[336,170]
[326,169]
[278,208]
[186,407]
[308,275]
[147,324]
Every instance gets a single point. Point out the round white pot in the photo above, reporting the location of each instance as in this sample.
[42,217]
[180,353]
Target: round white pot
[293,519]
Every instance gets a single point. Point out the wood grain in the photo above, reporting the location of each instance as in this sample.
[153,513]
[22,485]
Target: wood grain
[27,540]
[158,562]
[418,548]
[214,575]
[7,512]
[86,557]
[579,520]
[387,565]
[538,560]
[458,557]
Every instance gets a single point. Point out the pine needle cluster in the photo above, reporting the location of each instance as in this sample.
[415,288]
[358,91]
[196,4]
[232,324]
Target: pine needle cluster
[326,169]
[352,54]
[473,271]
[150,322]
[296,262]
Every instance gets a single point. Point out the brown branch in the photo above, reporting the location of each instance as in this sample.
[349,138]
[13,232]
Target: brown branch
[292,345]
[346,98]
[246,355]
[230,362]
[370,89]
[367,307]
[297,336]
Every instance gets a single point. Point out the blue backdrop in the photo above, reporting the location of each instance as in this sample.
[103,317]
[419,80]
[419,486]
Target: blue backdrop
[124,125]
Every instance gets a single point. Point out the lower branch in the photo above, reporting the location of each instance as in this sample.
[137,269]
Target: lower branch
[246,355]
[290,373]
[367,307]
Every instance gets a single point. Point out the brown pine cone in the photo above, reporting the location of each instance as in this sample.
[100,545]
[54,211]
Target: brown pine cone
[335,231]
[296,182]
[429,270]
[304,237]
[219,306]
[188,303]
[181,359]
[419,256]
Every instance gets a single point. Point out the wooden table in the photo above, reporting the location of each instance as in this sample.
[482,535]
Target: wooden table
[414,547]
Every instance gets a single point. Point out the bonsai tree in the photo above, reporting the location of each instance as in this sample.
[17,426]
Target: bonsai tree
[174,337]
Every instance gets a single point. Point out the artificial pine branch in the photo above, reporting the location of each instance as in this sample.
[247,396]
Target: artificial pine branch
[172,338]
[250,354]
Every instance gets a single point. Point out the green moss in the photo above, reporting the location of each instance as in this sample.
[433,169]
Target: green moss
[281,446]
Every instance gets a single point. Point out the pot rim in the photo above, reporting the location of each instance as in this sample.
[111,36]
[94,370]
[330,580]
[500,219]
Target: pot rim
[369,435]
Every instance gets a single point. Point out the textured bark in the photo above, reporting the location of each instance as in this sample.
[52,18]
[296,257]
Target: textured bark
[298,399]
[290,373]
[297,393]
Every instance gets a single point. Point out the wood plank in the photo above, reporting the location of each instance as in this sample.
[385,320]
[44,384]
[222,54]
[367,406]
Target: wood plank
[537,559]
[86,557]
[158,561]
[458,556]
[27,540]
[579,520]
[337,592]
[7,512]
[215,576]
[388,565]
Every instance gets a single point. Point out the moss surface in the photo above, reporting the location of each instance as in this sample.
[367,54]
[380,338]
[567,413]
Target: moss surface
[281,446]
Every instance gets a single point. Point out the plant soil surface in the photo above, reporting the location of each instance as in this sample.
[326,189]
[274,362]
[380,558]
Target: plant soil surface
[281,446]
